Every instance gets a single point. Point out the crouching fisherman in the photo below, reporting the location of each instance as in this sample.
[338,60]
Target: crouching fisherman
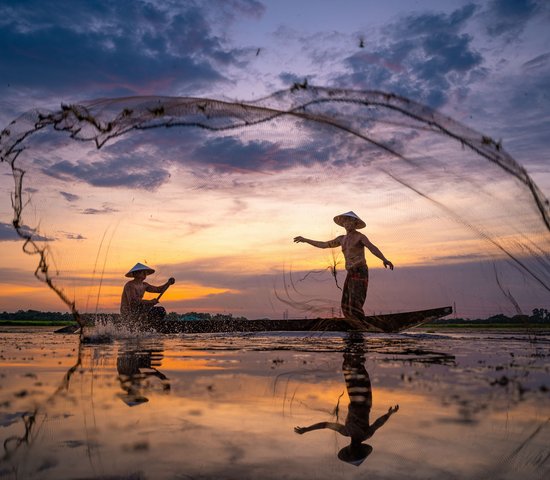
[134,310]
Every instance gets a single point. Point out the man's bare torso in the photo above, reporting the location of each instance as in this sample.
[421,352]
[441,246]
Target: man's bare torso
[353,248]
[131,296]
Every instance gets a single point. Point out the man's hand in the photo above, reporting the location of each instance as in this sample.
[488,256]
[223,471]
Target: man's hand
[392,410]
[387,264]
[300,430]
[299,239]
[170,281]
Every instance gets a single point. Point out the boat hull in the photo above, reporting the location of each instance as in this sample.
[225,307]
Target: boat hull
[395,322]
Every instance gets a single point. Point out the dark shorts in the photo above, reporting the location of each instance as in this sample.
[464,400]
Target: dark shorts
[156,313]
[141,318]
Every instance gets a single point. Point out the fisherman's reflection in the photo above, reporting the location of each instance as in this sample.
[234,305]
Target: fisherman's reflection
[357,425]
[136,367]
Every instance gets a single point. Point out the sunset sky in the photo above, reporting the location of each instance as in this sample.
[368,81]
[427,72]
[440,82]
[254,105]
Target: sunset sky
[218,212]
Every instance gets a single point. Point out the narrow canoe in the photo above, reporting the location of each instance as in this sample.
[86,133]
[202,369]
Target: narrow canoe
[392,322]
[389,323]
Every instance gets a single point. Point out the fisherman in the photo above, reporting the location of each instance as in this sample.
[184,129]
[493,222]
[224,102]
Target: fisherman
[136,366]
[133,308]
[353,245]
[357,425]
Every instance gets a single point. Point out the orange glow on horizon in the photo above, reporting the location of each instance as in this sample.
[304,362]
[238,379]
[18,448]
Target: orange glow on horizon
[10,290]
[110,295]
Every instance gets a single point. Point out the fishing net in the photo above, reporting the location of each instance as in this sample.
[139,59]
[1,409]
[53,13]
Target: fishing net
[212,193]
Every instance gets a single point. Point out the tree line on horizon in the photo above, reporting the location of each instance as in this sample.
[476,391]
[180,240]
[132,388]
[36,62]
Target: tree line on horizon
[538,315]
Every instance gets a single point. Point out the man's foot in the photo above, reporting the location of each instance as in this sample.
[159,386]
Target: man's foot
[362,325]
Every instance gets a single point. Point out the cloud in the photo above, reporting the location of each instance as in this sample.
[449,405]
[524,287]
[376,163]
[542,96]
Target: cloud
[290,79]
[118,48]
[228,154]
[472,257]
[537,62]
[72,236]
[8,233]
[143,160]
[99,211]
[69,196]
[422,24]
[525,98]
[214,272]
[421,56]
[121,171]
[510,17]
[194,227]
[140,160]
[233,9]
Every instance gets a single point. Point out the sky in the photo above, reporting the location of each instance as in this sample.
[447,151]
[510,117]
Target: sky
[218,212]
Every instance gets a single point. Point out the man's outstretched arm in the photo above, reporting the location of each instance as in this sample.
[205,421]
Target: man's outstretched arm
[316,243]
[337,427]
[376,252]
[384,418]
[159,289]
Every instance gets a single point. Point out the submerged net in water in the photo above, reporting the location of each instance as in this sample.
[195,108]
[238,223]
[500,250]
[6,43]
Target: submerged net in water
[212,192]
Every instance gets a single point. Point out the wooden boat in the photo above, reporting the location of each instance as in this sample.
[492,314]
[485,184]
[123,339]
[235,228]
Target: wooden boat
[389,323]
[392,322]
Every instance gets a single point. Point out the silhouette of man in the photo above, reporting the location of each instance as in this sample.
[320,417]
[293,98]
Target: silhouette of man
[357,425]
[135,365]
[353,245]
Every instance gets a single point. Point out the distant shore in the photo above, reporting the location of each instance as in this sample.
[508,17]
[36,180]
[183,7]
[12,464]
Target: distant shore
[433,327]
[539,320]
[483,326]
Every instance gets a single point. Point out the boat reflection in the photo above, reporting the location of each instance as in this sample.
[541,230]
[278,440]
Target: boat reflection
[357,425]
[136,366]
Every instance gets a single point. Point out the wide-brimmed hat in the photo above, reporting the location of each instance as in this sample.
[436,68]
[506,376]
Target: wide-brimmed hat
[355,454]
[339,219]
[138,267]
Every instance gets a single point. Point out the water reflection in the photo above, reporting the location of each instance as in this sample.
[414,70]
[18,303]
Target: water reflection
[357,425]
[30,419]
[137,365]
[225,407]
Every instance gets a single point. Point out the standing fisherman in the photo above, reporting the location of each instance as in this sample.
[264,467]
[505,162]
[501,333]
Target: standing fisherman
[353,245]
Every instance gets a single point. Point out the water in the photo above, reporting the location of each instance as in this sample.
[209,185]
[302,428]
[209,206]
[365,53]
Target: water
[471,405]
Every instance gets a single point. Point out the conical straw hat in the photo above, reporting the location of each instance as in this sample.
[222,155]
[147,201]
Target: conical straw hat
[355,455]
[137,268]
[132,400]
[338,219]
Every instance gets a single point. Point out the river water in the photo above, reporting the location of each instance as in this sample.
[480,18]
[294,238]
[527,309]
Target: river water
[420,405]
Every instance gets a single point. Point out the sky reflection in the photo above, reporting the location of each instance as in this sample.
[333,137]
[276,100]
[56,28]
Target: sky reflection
[226,407]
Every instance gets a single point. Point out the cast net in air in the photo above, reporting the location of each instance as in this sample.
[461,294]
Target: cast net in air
[213,192]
